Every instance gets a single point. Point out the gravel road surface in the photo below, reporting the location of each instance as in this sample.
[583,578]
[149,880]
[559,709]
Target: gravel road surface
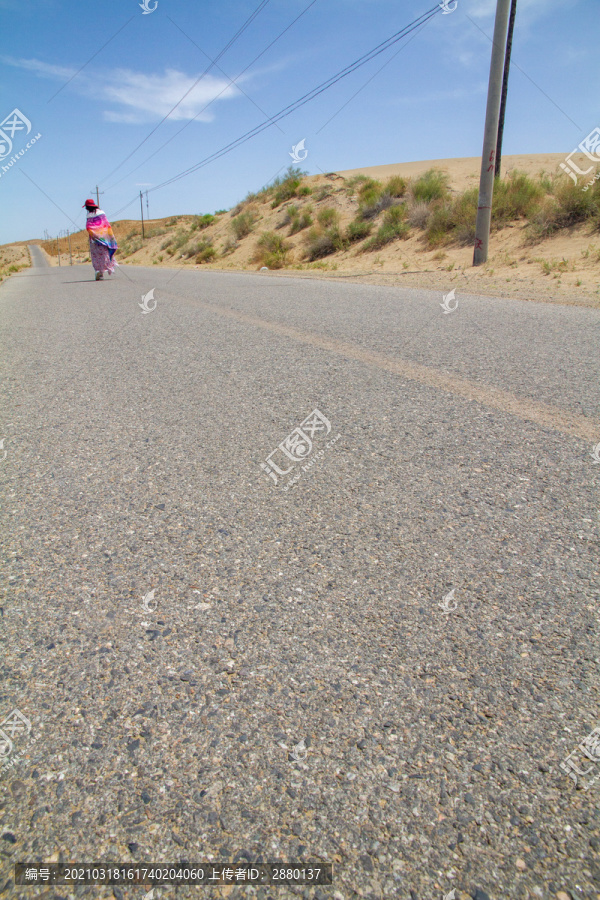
[299,571]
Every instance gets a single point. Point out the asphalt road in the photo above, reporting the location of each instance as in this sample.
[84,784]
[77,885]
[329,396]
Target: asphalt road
[378,659]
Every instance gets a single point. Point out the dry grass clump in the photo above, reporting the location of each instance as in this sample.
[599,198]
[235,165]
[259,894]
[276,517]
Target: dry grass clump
[297,219]
[271,251]
[394,226]
[205,252]
[243,224]
[568,205]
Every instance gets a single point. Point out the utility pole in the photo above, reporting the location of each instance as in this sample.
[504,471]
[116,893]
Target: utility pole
[58,247]
[98,196]
[147,208]
[490,136]
[142,210]
[70,253]
[509,39]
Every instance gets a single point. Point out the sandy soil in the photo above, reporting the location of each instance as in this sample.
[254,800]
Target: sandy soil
[464,173]
[13,257]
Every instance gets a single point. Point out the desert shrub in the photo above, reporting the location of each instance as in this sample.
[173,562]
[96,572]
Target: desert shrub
[453,220]
[220,212]
[432,185]
[369,195]
[304,190]
[418,214]
[357,230]
[172,221]
[128,248]
[300,220]
[394,226]
[166,243]
[516,196]
[132,234]
[271,250]
[323,192]
[328,217]
[181,238]
[322,242]
[204,251]
[195,247]
[285,188]
[568,205]
[201,222]
[396,186]
[352,184]
[243,224]
[229,246]
[464,216]
[291,213]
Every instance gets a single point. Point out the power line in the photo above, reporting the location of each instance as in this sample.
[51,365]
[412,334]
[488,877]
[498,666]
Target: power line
[306,98]
[256,58]
[523,72]
[361,61]
[240,31]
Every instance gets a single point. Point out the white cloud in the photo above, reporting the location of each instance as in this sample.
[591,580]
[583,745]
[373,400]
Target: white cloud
[148,97]
[137,97]
[41,68]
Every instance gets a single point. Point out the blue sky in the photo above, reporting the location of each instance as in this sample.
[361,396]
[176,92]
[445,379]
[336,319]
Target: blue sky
[427,102]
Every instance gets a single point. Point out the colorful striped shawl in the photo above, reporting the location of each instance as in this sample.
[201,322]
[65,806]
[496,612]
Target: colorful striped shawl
[100,231]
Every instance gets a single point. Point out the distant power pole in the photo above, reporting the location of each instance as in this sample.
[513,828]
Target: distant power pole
[70,253]
[142,210]
[58,247]
[98,196]
[490,136]
[509,39]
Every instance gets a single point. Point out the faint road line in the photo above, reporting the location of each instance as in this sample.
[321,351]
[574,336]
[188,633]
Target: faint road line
[543,414]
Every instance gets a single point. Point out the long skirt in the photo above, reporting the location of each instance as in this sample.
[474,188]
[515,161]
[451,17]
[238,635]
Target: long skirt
[101,259]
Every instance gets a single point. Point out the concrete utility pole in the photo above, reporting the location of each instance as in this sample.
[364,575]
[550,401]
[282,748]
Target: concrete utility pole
[70,253]
[511,28]
[490,136]
[58,247]
[142,209]
[98,196]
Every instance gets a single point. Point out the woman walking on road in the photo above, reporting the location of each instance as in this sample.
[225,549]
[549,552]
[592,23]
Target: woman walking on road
[102,240]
